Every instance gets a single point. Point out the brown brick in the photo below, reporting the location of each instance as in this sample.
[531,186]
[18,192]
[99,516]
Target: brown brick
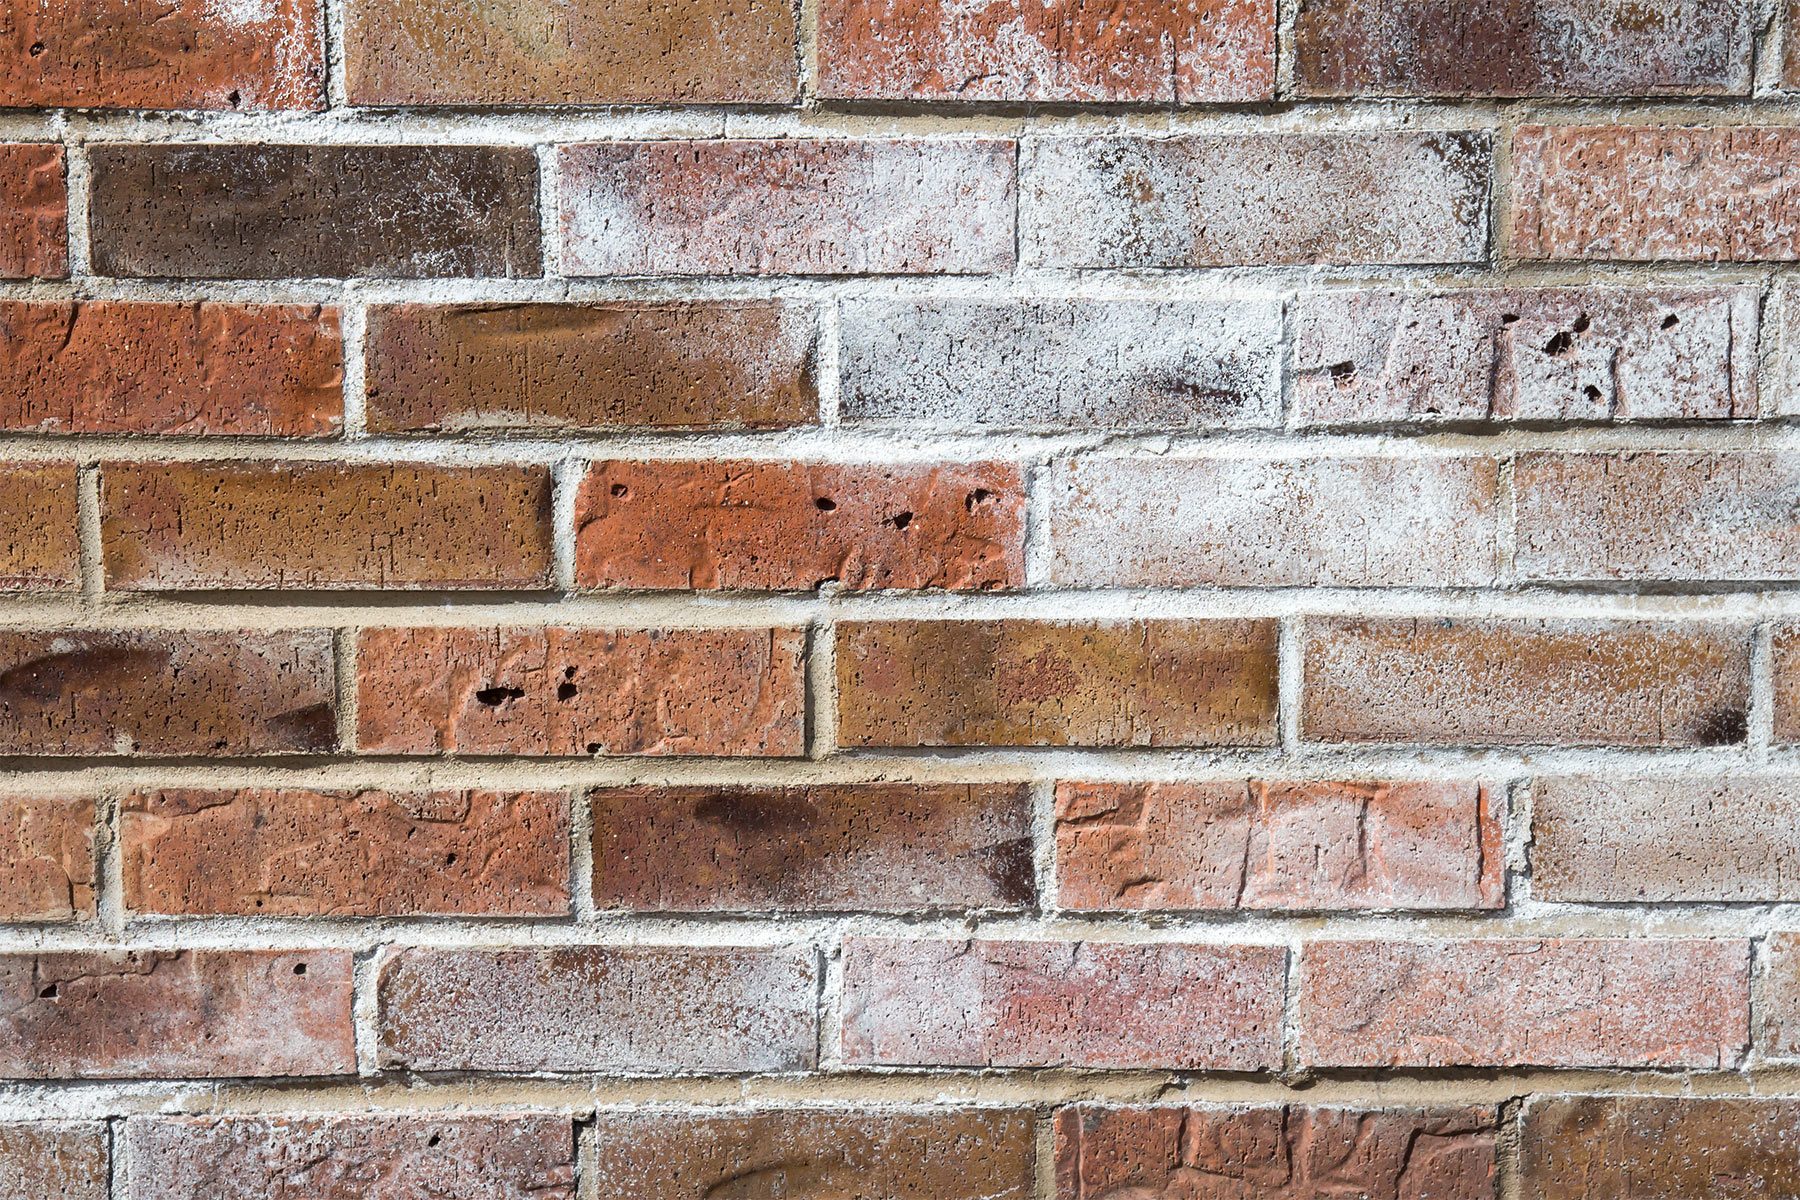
[1698,839]
[1143,51]
[38,539]
[1285,1152]
[1056,683]
[944,1154]
[886,847]
[791,526]
[53,1161]
[1257,522]
[162,691]
[1784,665]
[613,1009]
[46,859]
[367,1157]
[1077,1004]
[1523,48]
[581,691]
[122,366]
[709,365]
[182,525]
[173,54]
[34,213]
[1517,1002]
[282,211]
[1645,193]
[584,52]
[799,206]
[1201,201]
[1445,681]
[1685,516]
[367,853]
[154,1014]
[1778,997]
[1292,846]
[1667,1147]
[1525,354]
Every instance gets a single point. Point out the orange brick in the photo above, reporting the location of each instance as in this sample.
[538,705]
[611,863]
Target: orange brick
[46,858]
[34,213]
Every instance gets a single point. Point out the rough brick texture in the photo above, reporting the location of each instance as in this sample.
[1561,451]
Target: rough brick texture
[1784,655]
[880,847]
[1271,845]
[39,548]
[54,1160]
[47,863]
[34,213]
[1687,1148]
[1778,997]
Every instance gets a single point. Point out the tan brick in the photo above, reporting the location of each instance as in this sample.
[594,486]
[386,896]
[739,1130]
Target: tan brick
[1524,48]
[367,853]
[172,54]
[53,1161]
[46,859]
[612,1009]
[1784,667]
[1256,522]
[1286,1152]
[1778,997]
[182,525]
[1645,193]
[1518,1002]
[580,691]
[1061,1003]
[889,847]
[1201,201]
[39,544]
[1272,845]
[799,206]
[792,526]
[585,52]
[1531,354]
[208,1014]
[944,1154]
[161,691]
[1667,1147]
[1447,681]
[1007,50]
[441,1156]
[34,213]
[711,365]
[1056,683]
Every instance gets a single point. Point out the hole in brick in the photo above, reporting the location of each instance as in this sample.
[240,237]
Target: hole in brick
[1581,323]
[235,97]
[50,993]
[1343,371]
[620,490]
[37,48]
[494,696]
[1509,318]
[1590,393]
[299,968]
[593,747]
[1561,344]
[825,504]
[450,859]
[434,1139]
[1671,321]
[566,691]
[977,497]
[901,520]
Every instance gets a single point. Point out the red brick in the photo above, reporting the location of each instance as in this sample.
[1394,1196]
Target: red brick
[561,52]
[1699,839]
[367,853]
[161,691]
[944,1154]
[712,365]
[1667,1147]
[122,366]
[581,691]
[1075,1004]
[613,1009]
[1529,354]
[53,1161]
[445,1157]
[1517,1002]
[208,1014]
[1291,846]
[1163,51]
[1056,683]
[173,54]
[1523,48]
[797,206]
[1646,193]
[1485,682]
[1778,997]
[38,540]
[46,859]
[34,213]
[1203,201]
[888,847]
[1255,522]
[1286,1152]
[790,526]
[1687,516]
[183,525]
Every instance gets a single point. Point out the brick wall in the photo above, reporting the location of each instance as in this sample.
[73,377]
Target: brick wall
[611,600]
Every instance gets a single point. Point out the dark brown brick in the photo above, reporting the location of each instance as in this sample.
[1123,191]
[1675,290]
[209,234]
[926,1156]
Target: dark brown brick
[1661,1147]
